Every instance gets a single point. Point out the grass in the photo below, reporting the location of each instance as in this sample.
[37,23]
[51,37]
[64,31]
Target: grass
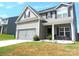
[6,37]
[40,49]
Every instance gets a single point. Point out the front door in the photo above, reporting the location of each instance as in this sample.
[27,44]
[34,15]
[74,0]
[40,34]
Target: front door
[49,31]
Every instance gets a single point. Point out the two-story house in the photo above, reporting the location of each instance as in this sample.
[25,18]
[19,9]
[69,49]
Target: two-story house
[59,21]
[7,25]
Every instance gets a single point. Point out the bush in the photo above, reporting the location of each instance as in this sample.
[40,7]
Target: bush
[49,37]
[36,38]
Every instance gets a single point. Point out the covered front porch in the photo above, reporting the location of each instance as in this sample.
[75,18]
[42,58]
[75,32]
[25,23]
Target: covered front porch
[61,32]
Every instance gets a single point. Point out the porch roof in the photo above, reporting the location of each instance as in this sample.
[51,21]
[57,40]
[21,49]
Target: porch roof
[58,21]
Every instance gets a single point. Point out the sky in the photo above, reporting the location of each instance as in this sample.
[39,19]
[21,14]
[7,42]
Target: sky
[10,9]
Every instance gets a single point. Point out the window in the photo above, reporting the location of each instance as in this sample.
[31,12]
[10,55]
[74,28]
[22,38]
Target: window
[24,15]
[44,15]
[64,31]
[29,14]
[61,13]
[61,31]
[65,15]
[48,15]
[67,29]
[67,32]
[51,14]
[59,16]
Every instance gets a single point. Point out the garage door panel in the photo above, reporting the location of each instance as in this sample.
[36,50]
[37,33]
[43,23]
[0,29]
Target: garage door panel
[21,34]
[27,34]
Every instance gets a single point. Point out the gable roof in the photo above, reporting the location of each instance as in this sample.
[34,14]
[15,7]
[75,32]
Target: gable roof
[55,7]
[43,11]
[32,9]
[66,4]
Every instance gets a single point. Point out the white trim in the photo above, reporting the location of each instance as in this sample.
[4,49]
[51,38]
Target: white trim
[62,14]
[25,10]
[43,11]
[64,30]
[64,4]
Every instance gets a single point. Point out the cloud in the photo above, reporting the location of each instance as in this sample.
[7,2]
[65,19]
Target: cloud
[21,1]
[4,15]
[1,5]
[9,7]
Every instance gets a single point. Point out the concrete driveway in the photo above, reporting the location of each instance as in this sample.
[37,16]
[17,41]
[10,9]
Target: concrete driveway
[11,42]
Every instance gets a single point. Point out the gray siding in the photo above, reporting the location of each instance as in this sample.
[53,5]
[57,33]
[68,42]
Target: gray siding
[11,27]
[42,30]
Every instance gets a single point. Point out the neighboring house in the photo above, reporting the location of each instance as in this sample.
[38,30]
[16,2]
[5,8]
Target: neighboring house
[8,26]
[58,21]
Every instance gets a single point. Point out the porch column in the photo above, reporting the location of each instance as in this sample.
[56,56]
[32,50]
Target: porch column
[73,32]
[52,32]
[1,29]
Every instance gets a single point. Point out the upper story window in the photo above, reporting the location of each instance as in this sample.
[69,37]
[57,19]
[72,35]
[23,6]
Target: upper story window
[53,14]
[43,15]
[27,14]
[61,13]
[70,11]
[48,15]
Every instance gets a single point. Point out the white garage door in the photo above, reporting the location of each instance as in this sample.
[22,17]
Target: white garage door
[26,34]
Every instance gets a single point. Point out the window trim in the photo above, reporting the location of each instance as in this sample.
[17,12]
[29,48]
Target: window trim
[29,14]
[64,30]
[62,13]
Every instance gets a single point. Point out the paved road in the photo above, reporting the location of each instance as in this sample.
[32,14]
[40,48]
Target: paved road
[11,42]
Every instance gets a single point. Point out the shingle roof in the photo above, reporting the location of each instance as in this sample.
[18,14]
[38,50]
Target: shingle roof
[10,17]
[52,8]
[47,9]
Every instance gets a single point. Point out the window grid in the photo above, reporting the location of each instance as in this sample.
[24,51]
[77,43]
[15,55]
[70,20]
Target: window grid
[64,31]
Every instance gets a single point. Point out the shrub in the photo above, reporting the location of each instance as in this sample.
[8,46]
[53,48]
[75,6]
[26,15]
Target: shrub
[49,37]
[36,38]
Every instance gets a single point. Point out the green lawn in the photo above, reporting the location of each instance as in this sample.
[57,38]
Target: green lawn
[40,49]
[6,37]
